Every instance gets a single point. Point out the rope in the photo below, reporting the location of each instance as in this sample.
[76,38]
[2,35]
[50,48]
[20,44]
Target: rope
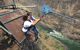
[14,3]
[2,6]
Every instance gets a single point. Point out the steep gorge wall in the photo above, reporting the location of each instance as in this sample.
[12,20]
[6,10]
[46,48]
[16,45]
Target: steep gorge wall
[70,8]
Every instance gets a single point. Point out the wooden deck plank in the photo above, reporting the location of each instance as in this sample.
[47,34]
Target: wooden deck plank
[15,27]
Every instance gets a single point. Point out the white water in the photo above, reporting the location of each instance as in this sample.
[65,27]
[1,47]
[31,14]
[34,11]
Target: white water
[71,45]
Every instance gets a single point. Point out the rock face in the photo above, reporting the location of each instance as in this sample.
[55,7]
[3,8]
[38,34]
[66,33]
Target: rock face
[66,20]
[69,9]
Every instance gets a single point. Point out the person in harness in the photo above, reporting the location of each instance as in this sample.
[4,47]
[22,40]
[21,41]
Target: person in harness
[29,23]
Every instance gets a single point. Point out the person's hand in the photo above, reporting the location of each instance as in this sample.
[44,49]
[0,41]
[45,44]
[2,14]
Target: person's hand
[41,16]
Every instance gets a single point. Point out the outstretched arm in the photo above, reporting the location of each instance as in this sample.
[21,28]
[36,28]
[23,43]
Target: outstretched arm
[35,21]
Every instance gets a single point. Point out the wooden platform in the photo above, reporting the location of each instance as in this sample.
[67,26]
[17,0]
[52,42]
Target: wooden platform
[14,26]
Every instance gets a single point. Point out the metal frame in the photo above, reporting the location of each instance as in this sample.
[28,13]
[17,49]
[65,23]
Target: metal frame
[8,33]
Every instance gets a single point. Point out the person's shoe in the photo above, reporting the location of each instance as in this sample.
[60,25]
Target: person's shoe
[36,39]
